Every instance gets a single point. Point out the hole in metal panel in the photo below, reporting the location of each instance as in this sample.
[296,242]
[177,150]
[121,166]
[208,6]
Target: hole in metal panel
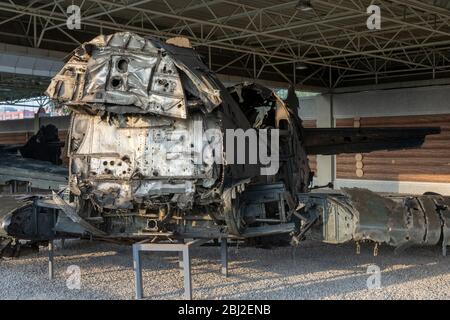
[122,65]
[116,82]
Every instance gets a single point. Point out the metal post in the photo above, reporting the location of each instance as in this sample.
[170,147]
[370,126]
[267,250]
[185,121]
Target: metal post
[180,258]
[184,261]
[13,186]
[36,123]
[224,256]
[50,260]
[187,274]
[137,271]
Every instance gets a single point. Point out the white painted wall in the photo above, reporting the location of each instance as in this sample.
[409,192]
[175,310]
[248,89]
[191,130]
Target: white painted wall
[319,108]
[411,101]
[394,102]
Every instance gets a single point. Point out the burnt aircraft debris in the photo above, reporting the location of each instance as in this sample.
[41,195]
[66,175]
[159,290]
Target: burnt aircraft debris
[44,145]
[134,143]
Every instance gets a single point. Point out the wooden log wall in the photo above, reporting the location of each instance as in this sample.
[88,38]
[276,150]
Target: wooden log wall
[430,163]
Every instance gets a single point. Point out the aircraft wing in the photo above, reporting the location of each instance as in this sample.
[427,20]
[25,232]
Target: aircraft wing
[330,141]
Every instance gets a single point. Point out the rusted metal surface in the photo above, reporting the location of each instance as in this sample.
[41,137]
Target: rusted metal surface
[134,141]
[9,205]
[399,221]
[125,73]
[38,174]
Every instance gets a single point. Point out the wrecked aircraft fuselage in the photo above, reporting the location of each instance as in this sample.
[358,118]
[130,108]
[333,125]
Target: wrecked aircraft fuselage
[158,147]
[148,142]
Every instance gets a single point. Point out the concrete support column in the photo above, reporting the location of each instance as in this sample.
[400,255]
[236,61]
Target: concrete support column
[36,123]
[325,119]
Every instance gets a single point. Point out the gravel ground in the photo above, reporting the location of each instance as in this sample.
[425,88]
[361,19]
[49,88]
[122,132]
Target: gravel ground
[312,271]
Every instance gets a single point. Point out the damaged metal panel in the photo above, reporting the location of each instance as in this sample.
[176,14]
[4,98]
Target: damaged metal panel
[22,219]
[39,174]
[9,204]
[399,221]
[71,212]
[162,165]
[443,208]
[124,73]
[338,222]
[372,215]
[202,81]
[432,220]
[109,156]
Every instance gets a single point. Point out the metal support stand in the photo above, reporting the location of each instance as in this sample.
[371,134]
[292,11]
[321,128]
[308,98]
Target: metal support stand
[224,256]
[137,271]
[180,259]
[184,261]
[50,259]
[187,274]
[444,248]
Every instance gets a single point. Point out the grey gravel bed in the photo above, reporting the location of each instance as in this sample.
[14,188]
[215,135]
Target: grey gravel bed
[311,271]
